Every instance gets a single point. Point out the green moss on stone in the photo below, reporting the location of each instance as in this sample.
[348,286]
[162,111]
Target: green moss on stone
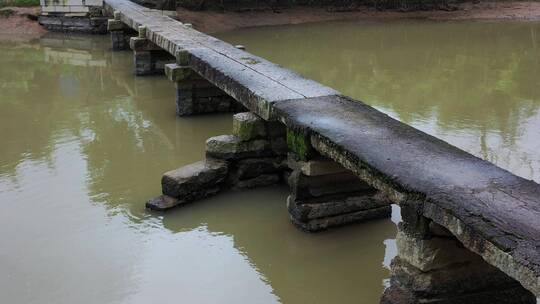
[299,144]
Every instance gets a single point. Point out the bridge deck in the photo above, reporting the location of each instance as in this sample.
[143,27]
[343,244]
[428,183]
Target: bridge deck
[492,211]
[252,80]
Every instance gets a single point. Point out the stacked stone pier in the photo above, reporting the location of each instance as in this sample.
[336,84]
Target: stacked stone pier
[253,156]
[119,32]
[196,95]
[324,195]
[432,266]
[148,58]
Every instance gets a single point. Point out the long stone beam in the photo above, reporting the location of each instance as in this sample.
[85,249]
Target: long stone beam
[491,211]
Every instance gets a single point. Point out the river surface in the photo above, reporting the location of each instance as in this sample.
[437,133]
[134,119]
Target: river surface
[83,144]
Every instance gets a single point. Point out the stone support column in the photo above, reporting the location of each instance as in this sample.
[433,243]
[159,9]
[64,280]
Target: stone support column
[432,266]
[324,194]
[120,33]
[195,95]
[149,59]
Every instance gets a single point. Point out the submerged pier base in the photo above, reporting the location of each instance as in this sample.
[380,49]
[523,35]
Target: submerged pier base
[432,266]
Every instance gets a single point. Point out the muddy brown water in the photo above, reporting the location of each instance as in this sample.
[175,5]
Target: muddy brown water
[83,144]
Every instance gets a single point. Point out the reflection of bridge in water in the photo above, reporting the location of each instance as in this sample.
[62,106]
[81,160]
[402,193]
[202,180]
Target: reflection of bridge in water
[470,230]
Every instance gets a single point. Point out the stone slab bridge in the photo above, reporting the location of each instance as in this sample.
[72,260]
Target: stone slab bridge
[470,231]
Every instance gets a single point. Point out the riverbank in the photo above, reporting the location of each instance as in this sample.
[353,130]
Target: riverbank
[20,24]
[214,22]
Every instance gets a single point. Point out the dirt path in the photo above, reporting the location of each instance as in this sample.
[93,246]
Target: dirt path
[212,22]
[16,24]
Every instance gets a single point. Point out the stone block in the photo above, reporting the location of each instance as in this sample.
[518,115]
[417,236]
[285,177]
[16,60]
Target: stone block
[276,129]
[142,31]
[61,9]
[262,180]
[247,126]
[324,223]
[344,184]
[195,181]
[464,283]
[142,44]
[231,147]
[313,209]
[118,40]
[279,145]
[253,167]
[317,166]
[115,25]
[434,253]
[163,202]
[48,9]
[143,63]
[93,2]
[177,73]
[117,15]
[72,2]
[78,9]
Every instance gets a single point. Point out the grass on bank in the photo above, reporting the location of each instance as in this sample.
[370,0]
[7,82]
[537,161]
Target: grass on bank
[19,3]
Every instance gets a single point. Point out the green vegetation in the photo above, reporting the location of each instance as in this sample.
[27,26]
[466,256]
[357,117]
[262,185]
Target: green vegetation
[19,3]
[299,144]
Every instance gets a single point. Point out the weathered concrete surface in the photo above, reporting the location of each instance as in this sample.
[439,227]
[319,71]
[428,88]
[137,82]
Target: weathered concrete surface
[491,211]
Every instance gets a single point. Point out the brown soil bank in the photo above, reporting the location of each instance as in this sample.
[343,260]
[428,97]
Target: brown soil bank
[20,24]
[212,22]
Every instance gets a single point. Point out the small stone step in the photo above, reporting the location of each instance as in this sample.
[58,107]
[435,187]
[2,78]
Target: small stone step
[195,181]
[231,147]
[163,202]
[324,223]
